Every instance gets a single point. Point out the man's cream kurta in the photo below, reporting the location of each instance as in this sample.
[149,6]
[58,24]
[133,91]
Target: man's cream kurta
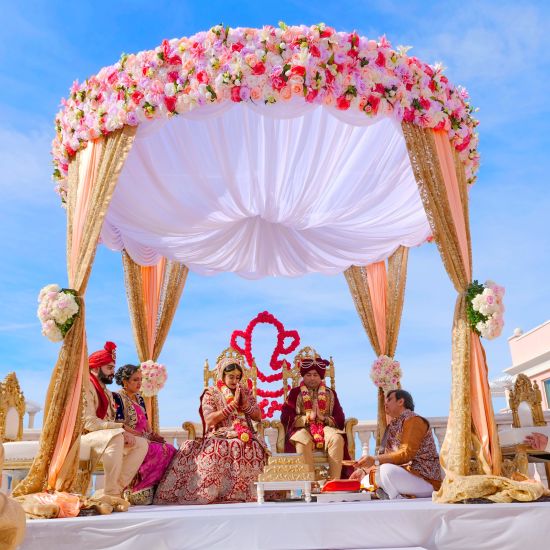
[105,437]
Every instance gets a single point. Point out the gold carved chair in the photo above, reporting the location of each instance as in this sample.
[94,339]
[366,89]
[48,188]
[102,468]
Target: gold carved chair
[211,377]
[12,409]
[525,400]
[292,377]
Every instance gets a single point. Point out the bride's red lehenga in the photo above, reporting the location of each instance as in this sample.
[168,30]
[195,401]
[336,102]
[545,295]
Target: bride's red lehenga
[220,467]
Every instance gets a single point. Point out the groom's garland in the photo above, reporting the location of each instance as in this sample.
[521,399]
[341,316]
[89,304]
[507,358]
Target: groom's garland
[316,428]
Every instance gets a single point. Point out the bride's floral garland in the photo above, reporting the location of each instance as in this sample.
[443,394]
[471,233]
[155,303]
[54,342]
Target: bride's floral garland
[386,373]
[316,428]
[485,308]
[57,311]
[277,364]
[264,66]
[240,426]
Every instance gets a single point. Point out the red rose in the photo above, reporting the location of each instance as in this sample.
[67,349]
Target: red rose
[278,82]
[326,33]
[174,60]
[314,50]
[202,77]
[432,85]
[298,70]
[172,76]
[425,103]
[381,60]
[137,96]
[374,102]
[440,125]
[329,76]
[379,89]
[463,145]
[444,79]
[428,70]
[170,103]
[237,47]
[409,86]
[408,115]
[311,95]
[70,150]
[236,94]
[343,103]
[112,78]
[258,69]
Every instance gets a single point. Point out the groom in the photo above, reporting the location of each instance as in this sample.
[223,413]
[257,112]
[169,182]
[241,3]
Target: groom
[121,451]
[313,418]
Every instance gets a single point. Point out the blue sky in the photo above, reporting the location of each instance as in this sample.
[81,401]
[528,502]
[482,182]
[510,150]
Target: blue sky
[497,50]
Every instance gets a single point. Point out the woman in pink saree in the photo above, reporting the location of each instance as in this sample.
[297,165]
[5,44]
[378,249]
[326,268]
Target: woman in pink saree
[130,409]
[225,463]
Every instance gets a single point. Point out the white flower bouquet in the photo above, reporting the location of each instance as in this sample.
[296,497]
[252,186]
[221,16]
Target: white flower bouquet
[57,310]
[386,373]
[154,378]
[485,308]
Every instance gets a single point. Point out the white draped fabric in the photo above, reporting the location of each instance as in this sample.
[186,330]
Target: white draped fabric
[279,190]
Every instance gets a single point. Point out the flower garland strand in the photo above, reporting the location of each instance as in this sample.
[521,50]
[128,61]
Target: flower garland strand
[264,66]
[276,363]
[240,426]
[57,310]
[316,428]
[485,308]
[386,373]
[154,378]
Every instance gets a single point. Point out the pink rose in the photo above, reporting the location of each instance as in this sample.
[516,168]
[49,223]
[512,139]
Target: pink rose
[343,103]
[255,94]
[286,93]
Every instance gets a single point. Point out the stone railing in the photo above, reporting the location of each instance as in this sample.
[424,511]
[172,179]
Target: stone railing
[364,431]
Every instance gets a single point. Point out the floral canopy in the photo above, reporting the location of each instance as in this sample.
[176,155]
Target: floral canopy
[268,152]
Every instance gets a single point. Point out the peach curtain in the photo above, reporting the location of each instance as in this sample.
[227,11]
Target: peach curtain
[378,293]
[442,185]
[93,174]
[153,294]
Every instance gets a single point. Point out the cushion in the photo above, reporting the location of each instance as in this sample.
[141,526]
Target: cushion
[338,485]
[26,450]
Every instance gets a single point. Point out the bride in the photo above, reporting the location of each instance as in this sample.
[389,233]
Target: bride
[225,463]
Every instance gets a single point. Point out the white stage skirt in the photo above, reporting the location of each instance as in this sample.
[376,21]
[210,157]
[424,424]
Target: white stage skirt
[401,524]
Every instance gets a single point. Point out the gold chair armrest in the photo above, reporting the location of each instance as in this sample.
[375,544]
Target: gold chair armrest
[190,428]
[348,427]
[277,425]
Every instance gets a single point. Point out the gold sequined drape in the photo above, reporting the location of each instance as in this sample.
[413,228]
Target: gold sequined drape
[457,447]
[65,377]
[141,281]
[396,276]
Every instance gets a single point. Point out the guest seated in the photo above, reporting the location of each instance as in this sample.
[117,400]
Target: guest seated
[225,463]
[130,409]
[313,418]
[408,464]
[538,441]
[121,451]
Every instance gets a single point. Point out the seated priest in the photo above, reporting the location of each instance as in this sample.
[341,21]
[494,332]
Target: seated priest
[408,463]
[313,418]
[120,447]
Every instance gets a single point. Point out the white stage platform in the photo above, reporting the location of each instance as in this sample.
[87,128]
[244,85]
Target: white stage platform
[402,524]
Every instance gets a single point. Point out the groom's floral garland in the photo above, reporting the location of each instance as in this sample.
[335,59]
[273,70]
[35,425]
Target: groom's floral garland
[485,308]
[316,428]
[386,373]
[264,66]
[57,311]
[240,425]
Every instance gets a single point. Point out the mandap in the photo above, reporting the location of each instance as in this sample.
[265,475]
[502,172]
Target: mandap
[276,151]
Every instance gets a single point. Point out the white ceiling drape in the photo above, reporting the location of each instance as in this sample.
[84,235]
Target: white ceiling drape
[278,190]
